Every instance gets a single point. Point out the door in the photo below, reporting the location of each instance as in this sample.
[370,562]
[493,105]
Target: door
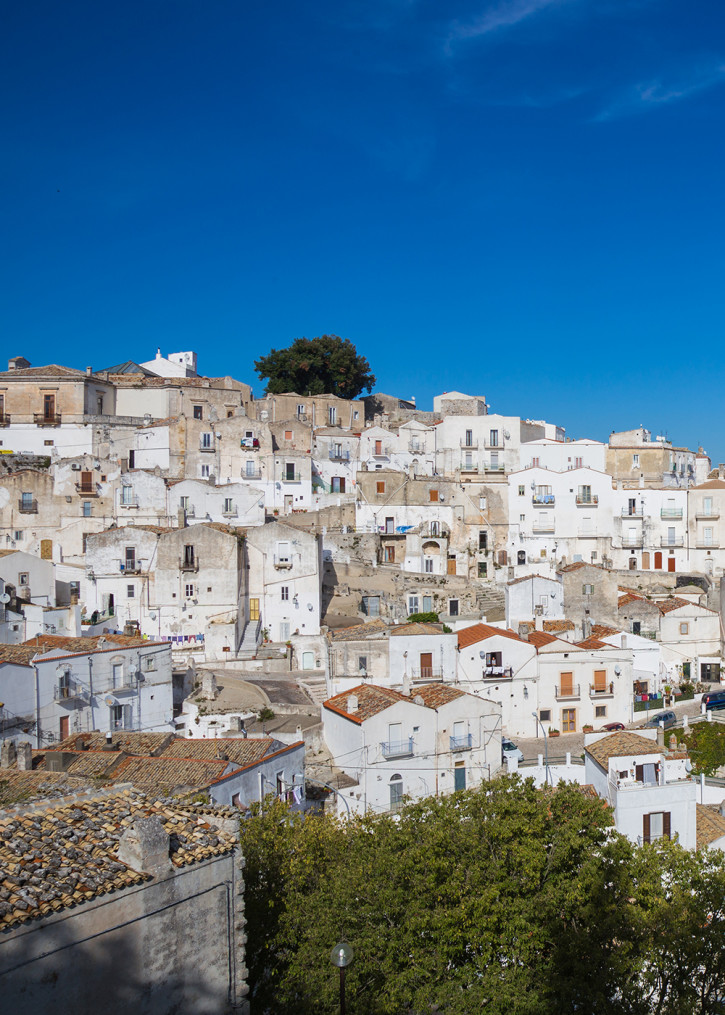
[46,549]
[459,776]
[426,665]
[288,500]
[451,564]
[308,660]
[671,564]
[390,525]
[645,560]
[64,730]
[658,561]
[48,406]
[253,609]
[568,720]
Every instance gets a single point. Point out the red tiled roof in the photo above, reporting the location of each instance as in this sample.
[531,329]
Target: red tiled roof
[435,695]
[592,642]
[480,632]
[540,638]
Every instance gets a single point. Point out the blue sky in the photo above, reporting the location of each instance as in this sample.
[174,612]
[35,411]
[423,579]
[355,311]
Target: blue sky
[521,198]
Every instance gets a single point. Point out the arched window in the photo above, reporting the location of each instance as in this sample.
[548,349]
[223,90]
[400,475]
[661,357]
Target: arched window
[396,792]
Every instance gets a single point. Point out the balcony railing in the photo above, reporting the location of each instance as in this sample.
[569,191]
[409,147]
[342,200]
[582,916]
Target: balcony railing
[494,468]
[636,512]
[497,445]
[632,542]
[130,566]
[255,474]
[675,513]
[572,691]
[397,748]
[469,467]
[46,419]
[123,723]
[428,532]
[700,545]
[543,499]
[230,512]
[189,564]
[582,500]
[206,447]
[86,491]
[128,502]
[416,447]
[705,515]
[642,839]
[70,691]
[427,673]
[4,419]
[27,507]
[472,444]
[381,452]
[464,743]
[543,528]
[282,562]
[339,455]
[601,692]
[676,541]
[295,477]
[498,673]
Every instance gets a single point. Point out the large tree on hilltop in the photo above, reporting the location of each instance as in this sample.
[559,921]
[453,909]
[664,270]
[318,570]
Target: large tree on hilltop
[328,365]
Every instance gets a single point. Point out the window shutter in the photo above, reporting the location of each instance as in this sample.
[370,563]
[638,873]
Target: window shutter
[639,774]
[645,825]
[127,717]
[666,826]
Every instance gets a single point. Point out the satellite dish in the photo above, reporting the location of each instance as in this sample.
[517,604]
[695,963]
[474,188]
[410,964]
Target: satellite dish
[618,670]
[507,435]
[4,598]
[110,700]
[218,436]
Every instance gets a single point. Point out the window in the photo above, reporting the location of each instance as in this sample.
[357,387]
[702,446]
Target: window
[585,495]
[205,472]
[469,438]
[116,717]
[184,503]
[389,554]
[636,627]
[289,470]
[483,540]
[452,607]
[568,720]
[656,826]
[198,412]
[86,509]
[283,552]
[149,663]
[522,491]
[288,435]
[371,606]
[535,463]
[189,590]
[48,444]
[587,590]
[493,659]
[635,459]
[578,463]
[332,415]
[127,495]
[284,592]
[228,508]
[130,591]
[131,459]
[337,484]
[493,438]
[26,501]
[249,467]
[428,565]
[18,535]
[355,414]
[684,628]
[206,440]
[413,606]
[300,410]
[433,496]
[189,555]
[545,715]
[380,486]
[427,604]
[362,664]
[396,792]
[707,534]
[600,711]
[482,569]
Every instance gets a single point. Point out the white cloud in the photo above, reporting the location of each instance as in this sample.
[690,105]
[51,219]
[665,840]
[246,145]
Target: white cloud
[648,95]
[502,15]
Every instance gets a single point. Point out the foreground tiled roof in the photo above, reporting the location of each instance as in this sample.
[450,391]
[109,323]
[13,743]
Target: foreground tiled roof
[357,631]
[436,695]
[130,743]
[371,699]
[20,787]
[166,775]
[592,642]
[540,638]
[531,577]
[628,598]
[480,632]
[417,627]
[85,764]
[21,654]
[604,631]
[710,825]
[45,642]
[67,853]
[558,625]
[623,744]
[52,370]
[236,750]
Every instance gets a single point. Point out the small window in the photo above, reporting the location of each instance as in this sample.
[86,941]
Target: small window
[452,607]
[587,590]
[189,591]
[86,509]
[284,591]
[355,414]
[149,663]
[380,486]
[198,412]
[635,459]
[205,472]
[482,569]
[18,535]
[428,565]
[48,444]
[522,491]
[206,440]
[288,435]
[130,591]
[433,496]
[600,711]
[545,715]
[362,664]
[413,606]
[228,506]
[371,606]
[389,554]
[24,578]
[684,628]
[482,540]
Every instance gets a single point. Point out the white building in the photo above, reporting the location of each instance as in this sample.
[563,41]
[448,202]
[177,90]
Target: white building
[532,596]
[434,741]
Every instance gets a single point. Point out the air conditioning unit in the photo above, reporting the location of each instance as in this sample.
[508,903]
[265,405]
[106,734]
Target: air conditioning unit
[75,467]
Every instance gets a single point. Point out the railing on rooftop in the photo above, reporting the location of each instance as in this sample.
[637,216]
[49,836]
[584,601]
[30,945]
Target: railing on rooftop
[463,743]
[397,748]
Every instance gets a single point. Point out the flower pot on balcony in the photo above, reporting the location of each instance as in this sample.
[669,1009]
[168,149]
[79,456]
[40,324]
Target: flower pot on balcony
[588,728]
[553,733]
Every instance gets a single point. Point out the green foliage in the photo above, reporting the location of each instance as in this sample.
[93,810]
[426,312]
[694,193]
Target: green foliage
[706,745]
[316,366]
[423,618]
[265,714]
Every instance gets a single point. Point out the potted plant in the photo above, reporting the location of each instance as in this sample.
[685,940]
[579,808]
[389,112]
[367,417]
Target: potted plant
[553,733]
[587,728]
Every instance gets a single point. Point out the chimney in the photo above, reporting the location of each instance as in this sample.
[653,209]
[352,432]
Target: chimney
[672,743]
[7,754]
[586,628]
[524,631]
[352,703]
[109,744]
[18,363]
[624,641]
[145,846]
[181,515]
[25,757]
[660,735]
[538,622]
[89,371]
[406,684]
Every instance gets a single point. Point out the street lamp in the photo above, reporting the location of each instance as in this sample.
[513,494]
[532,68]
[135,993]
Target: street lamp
[341,956]
[546,747]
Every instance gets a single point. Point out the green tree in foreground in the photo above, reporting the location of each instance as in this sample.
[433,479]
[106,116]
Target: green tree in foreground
[316,366]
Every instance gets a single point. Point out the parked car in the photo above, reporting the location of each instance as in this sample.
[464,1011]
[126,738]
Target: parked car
[714,700]
[510,750]
[610,727]
[668,718]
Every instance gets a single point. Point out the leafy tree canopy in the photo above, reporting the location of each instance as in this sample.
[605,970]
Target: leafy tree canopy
[328,365]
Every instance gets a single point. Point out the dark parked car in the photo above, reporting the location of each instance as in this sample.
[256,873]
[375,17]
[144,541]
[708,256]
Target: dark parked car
[610,727]
[714,700]
[668,718]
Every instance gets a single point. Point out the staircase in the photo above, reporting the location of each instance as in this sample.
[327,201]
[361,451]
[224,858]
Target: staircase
[315,688]
[491,601]
[250,640]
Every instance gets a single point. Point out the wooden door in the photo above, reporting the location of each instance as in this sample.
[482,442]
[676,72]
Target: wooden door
[568,720]
[426,665]
[254,609]
[600,681]
[459,776]
[46,549]
[658,561]
[567,685]
[451,565]
[64,730]
[645,560]
[670,563]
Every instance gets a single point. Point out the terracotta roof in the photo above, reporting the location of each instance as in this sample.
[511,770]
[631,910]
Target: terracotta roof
[577,565]
[603,631]
[540,638]
[592,642]
[238,751]
[623,744]
[67,853]
[357,631]
[20,654]
[371,699]
[710,825]
[52,370]
[417,627]
[628,599]
[84,764]
[674,603]
[436,695]
[167,775]
[20,787]
[130,743]
[480,632]
[558,625]
[102,642]
[711,484]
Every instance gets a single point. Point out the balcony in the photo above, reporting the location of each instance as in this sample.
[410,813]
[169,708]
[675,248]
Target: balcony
[189,564]
[249,443]
[381,452]
[416,447]
[601,692]
[464,743]
[4,419]
[292,477]
[543,528]
[714,545]
[426,673]
[207,447]
[583,501]
[430,531]
[543,500]
[397,748]
[677,541]
[282,563]
[572,691]
[472,445]
[124,723]
[27,507]
[632,542]
[498,673]
[86,491]
[253,474]
[46,419]
[676,514]
[469,467]
[497,446]
[706,516]
[70,692]
[494,468]
[230,512]
[339,455]
[130,566]
[128,502]
[636,512]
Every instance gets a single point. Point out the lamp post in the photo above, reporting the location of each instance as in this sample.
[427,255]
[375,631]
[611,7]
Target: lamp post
[546,746]
[341,956]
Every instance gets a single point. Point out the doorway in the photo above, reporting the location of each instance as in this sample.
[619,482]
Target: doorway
[308,660]
[459,776]
[64,727]
[670,563]
[254,609]
[426,665]
[658,561]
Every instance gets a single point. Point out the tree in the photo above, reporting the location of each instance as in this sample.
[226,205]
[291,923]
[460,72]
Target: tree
[328,365]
